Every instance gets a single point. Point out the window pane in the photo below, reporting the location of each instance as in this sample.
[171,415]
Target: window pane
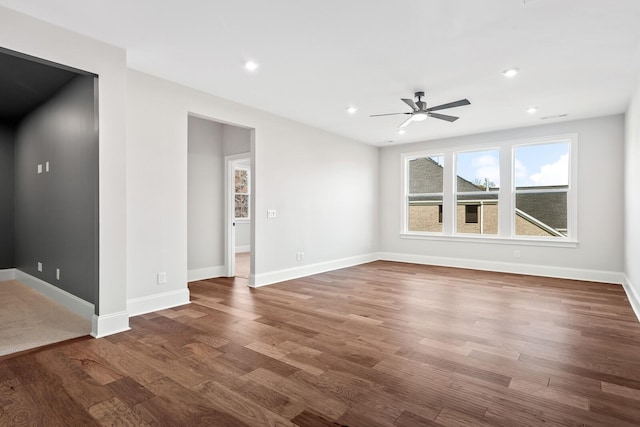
[242,206]
[542,165]
[477,213]
[541,181]
[541,214]
[242,181]
[478,171]
[425,213]
[425,175]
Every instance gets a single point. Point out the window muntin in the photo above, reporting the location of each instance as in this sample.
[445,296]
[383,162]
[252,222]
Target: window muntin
[424,194]
[541,176]
[477,185]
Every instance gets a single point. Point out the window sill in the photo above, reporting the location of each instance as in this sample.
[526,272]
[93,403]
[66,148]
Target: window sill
[558,243]
[242,220]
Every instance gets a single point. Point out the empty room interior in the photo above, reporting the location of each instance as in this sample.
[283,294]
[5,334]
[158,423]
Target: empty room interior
[408,213]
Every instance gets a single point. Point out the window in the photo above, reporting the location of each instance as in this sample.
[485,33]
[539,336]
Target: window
[424,198]
[471,214]
[541,187]
[524,190]
[477,186]
[242,193]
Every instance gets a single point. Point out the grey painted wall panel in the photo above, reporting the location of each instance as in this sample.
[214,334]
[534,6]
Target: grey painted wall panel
[56,211]
[205,197]
[6,197]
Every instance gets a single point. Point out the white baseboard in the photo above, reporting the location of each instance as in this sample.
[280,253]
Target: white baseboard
[307,270]
[156,302]
[109,324]
[64,298]
[505,267]
[241,249]
[206,273]
[632,296]
[7,274]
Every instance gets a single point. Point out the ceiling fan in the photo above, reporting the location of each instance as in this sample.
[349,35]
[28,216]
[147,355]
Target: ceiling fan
[421,112]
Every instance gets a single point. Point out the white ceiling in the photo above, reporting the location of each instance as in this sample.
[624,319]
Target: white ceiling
[580,58]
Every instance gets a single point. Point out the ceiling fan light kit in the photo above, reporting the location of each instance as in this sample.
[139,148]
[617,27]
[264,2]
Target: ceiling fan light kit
[421,112]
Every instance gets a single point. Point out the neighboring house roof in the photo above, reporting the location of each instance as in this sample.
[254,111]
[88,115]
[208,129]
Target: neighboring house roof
[426,176]
[549,208]
[546,208]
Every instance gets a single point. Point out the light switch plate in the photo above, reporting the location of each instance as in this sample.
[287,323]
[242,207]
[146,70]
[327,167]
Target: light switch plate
[271,213]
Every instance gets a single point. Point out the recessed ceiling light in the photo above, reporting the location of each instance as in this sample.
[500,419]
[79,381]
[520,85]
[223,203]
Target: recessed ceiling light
[532,110]
[251,66]
[401,131]
[510,72]
[352,109]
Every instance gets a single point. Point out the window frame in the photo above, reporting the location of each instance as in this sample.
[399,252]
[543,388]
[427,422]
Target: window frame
[246,168]
[506,193]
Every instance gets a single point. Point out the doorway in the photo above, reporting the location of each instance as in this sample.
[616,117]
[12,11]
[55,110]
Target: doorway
[216,151]
[49,190]
[238,215]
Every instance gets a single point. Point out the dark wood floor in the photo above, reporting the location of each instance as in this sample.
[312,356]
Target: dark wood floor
[384,344]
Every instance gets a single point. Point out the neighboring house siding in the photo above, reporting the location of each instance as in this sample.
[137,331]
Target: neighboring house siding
[526,228]
[424,218]
[487,217]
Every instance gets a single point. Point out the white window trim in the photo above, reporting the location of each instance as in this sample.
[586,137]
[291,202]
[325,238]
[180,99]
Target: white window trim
[506,195]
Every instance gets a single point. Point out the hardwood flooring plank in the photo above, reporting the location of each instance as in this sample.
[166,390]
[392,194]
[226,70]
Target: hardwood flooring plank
[379,344]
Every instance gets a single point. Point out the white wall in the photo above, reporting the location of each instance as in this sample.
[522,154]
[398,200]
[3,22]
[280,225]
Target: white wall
[236,140]
[28,35]
[632,201]
[324,189]
[599,253]
[205,198]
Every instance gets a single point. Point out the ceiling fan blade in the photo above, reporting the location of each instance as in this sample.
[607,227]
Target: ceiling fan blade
[443,117]
[388,114]
[450,105]
[410,103]
[406,122]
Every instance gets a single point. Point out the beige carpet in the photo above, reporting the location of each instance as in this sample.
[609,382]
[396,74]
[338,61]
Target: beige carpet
[29,320]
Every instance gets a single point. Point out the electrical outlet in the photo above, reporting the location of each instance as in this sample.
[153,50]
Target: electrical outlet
[516,253]
[300,256]
[40,168]
[46,167]
[39,266]
[57,274]
[162,278]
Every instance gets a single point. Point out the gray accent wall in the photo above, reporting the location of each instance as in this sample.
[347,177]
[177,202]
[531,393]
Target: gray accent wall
[6,197]
[56,212]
